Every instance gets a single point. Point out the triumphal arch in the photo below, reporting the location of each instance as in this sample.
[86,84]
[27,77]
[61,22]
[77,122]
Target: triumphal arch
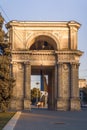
[52,47]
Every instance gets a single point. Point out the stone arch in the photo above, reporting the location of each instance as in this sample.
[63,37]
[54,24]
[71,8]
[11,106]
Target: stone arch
[61,64]
[54,41]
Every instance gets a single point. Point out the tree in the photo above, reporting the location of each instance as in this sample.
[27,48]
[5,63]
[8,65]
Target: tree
[6,80]
[35,93]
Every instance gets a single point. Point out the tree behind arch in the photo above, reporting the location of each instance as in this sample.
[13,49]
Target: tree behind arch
[6,80]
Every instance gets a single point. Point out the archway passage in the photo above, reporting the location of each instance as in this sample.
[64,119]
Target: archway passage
[45,44]
[48,87]
[52,45]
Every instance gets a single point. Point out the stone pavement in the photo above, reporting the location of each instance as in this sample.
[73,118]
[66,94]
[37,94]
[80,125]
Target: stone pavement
[42,119]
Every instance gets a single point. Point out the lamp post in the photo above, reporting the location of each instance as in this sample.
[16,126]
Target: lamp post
[37,83]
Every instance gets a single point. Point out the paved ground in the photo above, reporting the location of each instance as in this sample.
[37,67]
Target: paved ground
[39,119]
[11,124]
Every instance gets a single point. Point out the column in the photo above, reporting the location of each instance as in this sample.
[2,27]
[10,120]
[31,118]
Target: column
[50,90]
[59,79]
[56,84]
[19,70]
[14,92]
[59,88]
[27,84]
[63,102]
[72,37]
[75,100]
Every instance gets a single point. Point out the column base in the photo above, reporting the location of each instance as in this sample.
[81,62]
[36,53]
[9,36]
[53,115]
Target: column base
[16,104]
[63,104]
[75,104]
[27,104]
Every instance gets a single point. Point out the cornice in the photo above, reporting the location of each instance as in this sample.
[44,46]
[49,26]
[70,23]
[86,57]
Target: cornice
[76,52]
[34,52]
[42,23]
[74,24]
[50,52]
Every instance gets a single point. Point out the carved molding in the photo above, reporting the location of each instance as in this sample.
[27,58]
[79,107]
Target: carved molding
[66,58]
[33,58]
[74,65]
[65,67]
[21,38]
[53,56]
[69,56]
[60,34]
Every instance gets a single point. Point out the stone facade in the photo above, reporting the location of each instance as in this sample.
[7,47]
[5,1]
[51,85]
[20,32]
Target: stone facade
[82,83]
[52,47]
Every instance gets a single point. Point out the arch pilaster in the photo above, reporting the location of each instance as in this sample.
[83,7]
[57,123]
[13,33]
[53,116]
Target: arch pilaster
[63,86]
[75,100]
[27,85]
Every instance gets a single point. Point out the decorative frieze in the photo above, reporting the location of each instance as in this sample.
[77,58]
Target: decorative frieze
[42,57]
[32,57]
[65,58]
[68,56]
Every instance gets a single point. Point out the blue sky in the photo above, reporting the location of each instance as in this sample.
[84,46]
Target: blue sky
[51,10]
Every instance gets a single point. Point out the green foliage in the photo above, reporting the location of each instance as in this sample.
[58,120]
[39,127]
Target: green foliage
[4,118]
[6,80]
[34,95]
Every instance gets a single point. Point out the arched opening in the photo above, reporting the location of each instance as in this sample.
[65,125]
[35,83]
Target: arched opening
[45,91]
[43,43]
[43,68]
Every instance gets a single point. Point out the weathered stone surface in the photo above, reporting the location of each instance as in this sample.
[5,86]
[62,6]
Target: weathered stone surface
[63,104]
[75,104]
[27,104]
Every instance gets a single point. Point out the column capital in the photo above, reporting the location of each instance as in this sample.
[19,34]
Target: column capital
[74,65]
[27,63]
[13,63]
[59,63]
